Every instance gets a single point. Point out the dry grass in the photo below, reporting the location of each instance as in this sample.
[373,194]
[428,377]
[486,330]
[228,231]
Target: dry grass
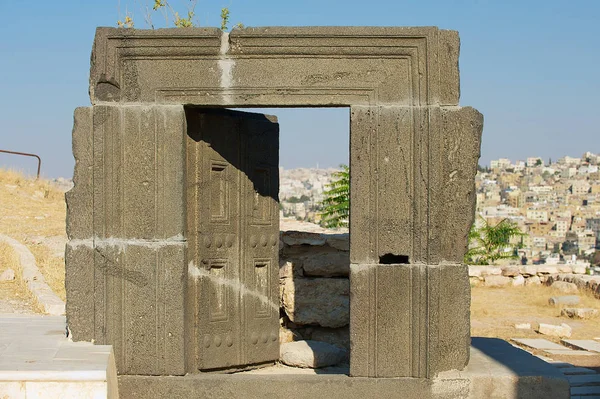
[34,208]
[15,291]
[495,311]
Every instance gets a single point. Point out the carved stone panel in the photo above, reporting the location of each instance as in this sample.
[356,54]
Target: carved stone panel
[125,261]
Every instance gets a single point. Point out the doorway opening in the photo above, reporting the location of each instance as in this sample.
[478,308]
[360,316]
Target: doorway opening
[256,183]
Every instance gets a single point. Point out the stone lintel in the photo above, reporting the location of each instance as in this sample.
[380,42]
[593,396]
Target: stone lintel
[276,66]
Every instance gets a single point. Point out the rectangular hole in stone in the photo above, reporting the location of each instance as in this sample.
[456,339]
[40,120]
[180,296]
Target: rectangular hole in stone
[390,259]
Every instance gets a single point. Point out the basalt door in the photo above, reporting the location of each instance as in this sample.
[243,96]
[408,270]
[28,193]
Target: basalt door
[233,237]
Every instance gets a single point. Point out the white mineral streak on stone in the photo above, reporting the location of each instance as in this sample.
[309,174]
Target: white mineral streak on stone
[197,273]
[360,268]
[226,66]
[123,243]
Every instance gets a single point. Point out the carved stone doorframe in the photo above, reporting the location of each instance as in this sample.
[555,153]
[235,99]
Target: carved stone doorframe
[413,157]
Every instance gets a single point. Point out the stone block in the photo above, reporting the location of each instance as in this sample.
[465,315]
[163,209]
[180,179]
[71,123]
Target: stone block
[564,330]
[449,74]
[408,320]
[338,241]
[350,64]
[317,301]
[579,269]
[511,271]
[564,287]
[125,261]
[518,281]
[384,225]
[529,270]
[579,313]
[328,264]
[563,300]
[311,354]
[302,238]
[497,281]
[547,269]
[475,271]
[335,336]
[454,150]
[565,269]
[496,367]
[80,199]
[523,326]
[491,271]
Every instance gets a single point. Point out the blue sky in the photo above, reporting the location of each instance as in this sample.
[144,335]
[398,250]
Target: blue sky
[531,67]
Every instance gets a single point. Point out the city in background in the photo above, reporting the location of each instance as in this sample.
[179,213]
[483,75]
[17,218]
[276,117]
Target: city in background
[556,204]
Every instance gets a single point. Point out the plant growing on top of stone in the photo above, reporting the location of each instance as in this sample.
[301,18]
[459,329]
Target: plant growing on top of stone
[490,243]
[336,204]
[169,13]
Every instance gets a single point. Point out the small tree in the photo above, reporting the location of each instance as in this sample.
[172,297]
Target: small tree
[488,243]
[336,204]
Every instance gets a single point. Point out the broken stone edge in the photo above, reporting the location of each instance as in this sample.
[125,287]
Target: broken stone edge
[34,279]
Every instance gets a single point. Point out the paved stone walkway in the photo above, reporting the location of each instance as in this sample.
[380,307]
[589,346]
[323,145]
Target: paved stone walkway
[584,382]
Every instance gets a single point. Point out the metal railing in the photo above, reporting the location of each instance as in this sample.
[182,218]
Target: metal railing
[27,155]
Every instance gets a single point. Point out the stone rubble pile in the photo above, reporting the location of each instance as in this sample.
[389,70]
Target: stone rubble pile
[513,275]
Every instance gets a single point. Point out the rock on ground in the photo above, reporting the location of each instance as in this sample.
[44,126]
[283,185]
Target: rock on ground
[579,313]
[564,287]
[7,275]
[518,281]
[564,330]
[311,354]
[533,280]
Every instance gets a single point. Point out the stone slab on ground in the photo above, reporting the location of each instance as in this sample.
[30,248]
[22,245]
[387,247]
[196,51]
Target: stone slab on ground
[568,352]
[564,300]
[576,371]
[537,343]
[37,360]
[583,380]
[584,344]
[495,366]
[585,392]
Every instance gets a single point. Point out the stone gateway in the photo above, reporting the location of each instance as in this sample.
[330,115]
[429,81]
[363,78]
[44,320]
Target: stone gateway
[173,221]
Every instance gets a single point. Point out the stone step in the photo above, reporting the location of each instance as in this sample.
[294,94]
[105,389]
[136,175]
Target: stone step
[584,380]
[37,360]
[585,344]
[585,391]
[537,343]
[576,371]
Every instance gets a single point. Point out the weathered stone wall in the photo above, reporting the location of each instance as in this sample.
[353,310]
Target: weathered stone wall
[315,288]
